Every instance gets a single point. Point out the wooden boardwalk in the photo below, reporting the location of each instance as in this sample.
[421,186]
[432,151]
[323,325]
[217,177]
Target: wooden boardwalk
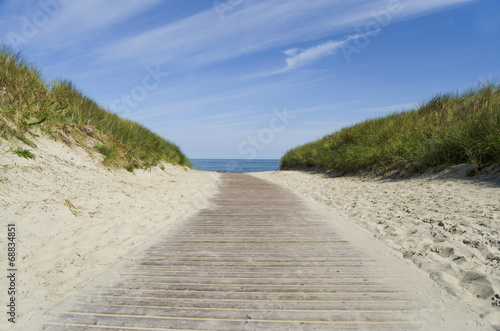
[260,259]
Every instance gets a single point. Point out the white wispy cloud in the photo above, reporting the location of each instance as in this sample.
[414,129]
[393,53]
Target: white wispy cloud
[192,102]
[65,23]
[202,38]
[298,58]
[412,8]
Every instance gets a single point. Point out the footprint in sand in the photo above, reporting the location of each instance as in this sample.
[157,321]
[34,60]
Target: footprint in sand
[477,284]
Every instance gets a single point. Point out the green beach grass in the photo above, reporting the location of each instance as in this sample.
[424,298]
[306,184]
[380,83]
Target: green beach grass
[29,105]
[449,129]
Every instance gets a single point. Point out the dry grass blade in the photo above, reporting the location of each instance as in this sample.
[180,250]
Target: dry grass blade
[71,207]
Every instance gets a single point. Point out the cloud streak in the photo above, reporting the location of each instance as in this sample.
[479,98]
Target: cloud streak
[298,58]
[67,23]
[202,39]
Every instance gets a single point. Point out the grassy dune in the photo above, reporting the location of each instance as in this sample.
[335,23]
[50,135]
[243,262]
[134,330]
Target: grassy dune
[449,129]
[29,105]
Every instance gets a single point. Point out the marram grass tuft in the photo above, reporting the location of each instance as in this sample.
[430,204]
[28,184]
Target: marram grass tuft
[28,103]
[449,129]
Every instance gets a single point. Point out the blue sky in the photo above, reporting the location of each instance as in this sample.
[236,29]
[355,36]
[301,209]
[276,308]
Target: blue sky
[254,78]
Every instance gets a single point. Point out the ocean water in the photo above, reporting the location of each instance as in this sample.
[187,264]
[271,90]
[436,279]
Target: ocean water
[234,165]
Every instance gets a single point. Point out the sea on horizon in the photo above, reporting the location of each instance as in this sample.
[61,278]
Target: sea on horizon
[235,165]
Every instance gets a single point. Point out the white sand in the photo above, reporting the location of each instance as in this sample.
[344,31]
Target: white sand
[447,224]
[75,218]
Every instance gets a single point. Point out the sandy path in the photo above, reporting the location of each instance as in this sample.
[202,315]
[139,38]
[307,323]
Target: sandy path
[263,259]
[75,218]
[446,224]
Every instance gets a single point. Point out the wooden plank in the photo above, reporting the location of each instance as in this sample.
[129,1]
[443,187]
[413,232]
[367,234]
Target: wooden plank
[229,325]
[292,306]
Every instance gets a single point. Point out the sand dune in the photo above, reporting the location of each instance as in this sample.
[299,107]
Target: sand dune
[75,218]
[447,224]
